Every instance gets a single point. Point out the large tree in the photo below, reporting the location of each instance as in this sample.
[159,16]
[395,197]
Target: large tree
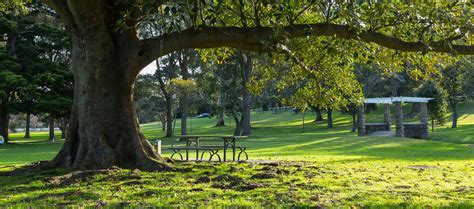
[34,65]
[107,53]
[453,81]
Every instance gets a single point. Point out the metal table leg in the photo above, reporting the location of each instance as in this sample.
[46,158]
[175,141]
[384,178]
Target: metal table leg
[233,149]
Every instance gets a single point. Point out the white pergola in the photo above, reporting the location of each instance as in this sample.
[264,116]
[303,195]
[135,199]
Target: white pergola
[385,126]
[391,100]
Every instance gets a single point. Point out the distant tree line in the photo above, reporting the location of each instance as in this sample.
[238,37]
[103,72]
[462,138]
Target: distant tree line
[35,77]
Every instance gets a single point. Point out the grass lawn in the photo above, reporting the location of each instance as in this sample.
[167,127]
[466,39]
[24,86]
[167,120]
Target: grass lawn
[320,167]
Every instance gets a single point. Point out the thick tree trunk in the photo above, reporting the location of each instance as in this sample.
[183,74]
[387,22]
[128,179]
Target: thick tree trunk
[27,126]
[329,111]
[51,130]
[4,122]
[103,129]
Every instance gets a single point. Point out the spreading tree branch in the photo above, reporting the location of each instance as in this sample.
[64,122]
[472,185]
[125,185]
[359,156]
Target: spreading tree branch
[252,39]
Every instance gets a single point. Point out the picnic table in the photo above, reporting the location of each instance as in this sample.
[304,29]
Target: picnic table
[193,143]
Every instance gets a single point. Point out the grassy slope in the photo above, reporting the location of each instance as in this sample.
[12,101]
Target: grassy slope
[343,169]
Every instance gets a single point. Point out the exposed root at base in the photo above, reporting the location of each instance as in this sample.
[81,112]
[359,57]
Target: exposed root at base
[153,165]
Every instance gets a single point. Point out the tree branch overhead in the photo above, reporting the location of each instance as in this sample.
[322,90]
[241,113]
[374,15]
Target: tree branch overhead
[252,39]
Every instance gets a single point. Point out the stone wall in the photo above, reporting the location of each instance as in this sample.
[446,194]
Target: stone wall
[373,127]
[415,130]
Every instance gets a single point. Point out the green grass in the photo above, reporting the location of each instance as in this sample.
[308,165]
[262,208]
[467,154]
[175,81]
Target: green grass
[320,167]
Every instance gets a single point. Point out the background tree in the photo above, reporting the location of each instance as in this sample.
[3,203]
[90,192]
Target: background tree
[188,61]
[149,101]
[164,74]
[438,107]
[41,49]
[246,66]
[10,85]
[452,81]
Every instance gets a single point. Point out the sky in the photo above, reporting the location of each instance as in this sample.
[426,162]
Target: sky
[149,69]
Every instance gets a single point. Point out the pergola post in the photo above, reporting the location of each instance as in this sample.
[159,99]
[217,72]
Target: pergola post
[361,120]
[424,113]
[386,115]
[424,120]
[399,119]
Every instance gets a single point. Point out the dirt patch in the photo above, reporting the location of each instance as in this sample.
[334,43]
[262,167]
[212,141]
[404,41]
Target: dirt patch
[265,175]
[421,167]
[274,164]
[149,193]
[227,181]
[403,187]
[132,183]
[196,190]
[250,186]
[203,179]
[234,169]
[463,189]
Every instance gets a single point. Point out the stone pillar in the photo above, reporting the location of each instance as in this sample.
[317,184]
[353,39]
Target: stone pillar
[399,119]
[361,120]
[424,120]
[424,113]
[386,115]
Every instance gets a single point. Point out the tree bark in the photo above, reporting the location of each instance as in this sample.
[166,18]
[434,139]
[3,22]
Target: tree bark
[246,66]
[329,111]
[103,129]
[163,121]
[319,115]
[455,114]
[27,126]
[4,123]
[184,116]
[221,105]
[184,96]
[51,129]
[62,124]
[168,107]
[354,122]
[361,120]
[238,124]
